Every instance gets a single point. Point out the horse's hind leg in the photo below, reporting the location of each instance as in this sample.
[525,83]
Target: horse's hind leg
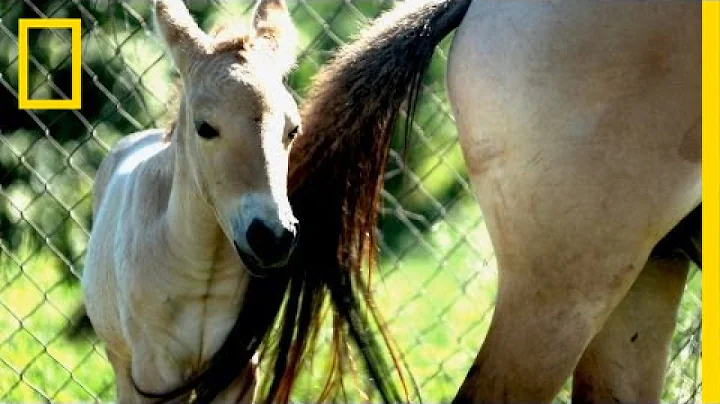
[550,305]
[580,128]
[626,361]
[561,275]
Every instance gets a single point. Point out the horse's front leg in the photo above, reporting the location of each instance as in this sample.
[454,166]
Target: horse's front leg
[124,391]
[125,388]
[155,372]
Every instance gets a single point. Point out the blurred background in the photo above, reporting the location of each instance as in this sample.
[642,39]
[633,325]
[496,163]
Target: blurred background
[435,282]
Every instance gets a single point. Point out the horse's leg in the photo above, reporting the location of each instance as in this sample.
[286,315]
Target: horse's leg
[563,268]
[580,127]
[126,391]
[551,301]
[154,372]
[626,361]
[123,385]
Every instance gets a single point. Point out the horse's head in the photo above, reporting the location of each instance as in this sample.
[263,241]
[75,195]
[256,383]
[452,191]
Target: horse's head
[237,122]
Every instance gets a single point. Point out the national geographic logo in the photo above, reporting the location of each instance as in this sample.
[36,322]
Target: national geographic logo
[25,24]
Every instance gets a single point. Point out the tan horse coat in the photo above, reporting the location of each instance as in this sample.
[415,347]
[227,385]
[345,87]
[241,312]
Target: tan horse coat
[580,125]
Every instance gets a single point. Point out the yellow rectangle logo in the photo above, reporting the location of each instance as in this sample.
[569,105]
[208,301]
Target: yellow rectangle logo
[25,24]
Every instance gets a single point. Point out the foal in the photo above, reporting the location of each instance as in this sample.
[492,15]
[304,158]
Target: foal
[178,216]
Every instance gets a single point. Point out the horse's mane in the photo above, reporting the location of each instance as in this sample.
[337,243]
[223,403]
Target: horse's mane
[335,181]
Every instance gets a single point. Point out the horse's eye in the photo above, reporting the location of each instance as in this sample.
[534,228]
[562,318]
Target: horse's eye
[293,133]
[205,130]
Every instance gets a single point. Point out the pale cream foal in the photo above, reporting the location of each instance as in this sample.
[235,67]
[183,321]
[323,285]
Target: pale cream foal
[177,216]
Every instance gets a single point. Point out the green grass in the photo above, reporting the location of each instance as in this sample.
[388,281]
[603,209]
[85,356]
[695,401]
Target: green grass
[37,361]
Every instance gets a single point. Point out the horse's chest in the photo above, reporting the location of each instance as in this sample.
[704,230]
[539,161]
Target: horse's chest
[182,319]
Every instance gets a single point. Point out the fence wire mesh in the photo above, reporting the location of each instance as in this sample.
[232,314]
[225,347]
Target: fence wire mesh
[437,271]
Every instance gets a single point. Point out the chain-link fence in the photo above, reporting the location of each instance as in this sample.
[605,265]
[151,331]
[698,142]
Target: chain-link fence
[437,269]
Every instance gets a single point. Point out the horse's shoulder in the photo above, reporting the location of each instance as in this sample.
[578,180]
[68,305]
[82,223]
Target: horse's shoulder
[129,153]
[133,147]
[138,139]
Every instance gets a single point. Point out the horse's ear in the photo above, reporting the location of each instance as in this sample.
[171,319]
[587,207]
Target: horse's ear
[183,36]
[274,27]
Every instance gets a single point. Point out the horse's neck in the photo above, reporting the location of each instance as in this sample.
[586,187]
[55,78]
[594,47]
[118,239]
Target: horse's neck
[192,231]
[187,279]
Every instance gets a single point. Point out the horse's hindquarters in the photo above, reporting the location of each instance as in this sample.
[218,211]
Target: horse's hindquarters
[582,115]
[580,125]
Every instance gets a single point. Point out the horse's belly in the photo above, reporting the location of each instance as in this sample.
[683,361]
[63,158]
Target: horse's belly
[597,100]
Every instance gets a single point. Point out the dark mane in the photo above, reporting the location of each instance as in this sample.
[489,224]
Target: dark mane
[335,181]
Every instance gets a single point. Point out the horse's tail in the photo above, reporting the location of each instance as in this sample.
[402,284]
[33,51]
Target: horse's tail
[335,183]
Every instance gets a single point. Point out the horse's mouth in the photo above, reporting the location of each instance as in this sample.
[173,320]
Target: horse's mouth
[253,265]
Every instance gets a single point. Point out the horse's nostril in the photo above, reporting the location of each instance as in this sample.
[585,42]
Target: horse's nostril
[266,246]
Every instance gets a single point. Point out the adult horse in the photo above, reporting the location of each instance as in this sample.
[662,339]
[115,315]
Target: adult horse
[580,126]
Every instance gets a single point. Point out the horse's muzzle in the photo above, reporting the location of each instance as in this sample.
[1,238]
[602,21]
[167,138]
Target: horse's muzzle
[267,249]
